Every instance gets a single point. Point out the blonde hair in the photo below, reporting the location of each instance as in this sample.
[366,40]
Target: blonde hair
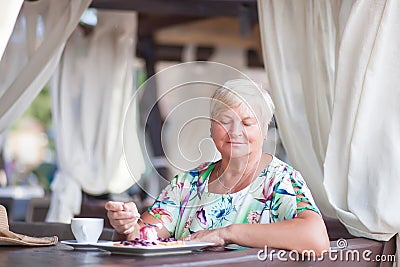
[236,92]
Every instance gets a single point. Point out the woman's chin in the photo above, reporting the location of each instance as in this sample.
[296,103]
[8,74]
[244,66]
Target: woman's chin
[236,154]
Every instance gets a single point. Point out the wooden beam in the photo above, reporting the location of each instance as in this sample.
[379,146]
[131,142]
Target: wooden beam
[222,31]
[201,8]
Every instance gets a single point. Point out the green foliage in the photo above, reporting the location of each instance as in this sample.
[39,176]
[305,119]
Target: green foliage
[140,77]
[40,109]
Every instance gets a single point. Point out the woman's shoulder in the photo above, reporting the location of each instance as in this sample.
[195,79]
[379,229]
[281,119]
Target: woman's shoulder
[279,166]
[202,167]
[201,171]
[278,170]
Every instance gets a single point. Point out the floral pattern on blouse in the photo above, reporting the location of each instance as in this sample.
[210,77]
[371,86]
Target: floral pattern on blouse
[185,206]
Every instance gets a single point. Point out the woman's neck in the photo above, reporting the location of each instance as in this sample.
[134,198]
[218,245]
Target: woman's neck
[235,171]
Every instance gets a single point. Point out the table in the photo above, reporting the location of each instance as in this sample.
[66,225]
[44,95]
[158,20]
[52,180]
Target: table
[63,255]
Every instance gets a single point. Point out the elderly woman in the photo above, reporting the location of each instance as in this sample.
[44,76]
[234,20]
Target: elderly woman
[248,197]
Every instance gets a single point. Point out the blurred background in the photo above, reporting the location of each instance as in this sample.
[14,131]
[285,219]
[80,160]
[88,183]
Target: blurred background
[226,33]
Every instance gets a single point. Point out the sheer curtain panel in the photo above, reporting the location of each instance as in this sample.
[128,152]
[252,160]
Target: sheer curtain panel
[334,72]
[91,90]
[10,10]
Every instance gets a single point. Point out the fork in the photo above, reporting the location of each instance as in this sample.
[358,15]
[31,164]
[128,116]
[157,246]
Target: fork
[157,225]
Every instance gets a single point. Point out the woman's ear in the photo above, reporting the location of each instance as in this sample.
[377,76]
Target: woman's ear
[265,131]
[212,121]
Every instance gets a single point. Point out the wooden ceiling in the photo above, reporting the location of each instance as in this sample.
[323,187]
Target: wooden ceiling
[170,24]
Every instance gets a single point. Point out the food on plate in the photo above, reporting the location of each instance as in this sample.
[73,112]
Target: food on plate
[146,243]
[148,233]
[170,242]
[148,237]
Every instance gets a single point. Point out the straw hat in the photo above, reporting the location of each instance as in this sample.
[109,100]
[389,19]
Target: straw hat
[10,238]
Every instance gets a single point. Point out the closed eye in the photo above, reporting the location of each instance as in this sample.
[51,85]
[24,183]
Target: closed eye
[249,122]
[225,122]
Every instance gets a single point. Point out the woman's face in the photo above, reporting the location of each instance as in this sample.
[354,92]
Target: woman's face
[237,132]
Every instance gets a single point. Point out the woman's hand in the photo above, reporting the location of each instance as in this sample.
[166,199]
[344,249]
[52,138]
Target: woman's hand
[123,217]
[217,236]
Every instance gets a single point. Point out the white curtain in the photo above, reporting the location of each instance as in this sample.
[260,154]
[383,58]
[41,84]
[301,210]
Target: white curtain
[33,51]
[91,91]
[10,10]
[334,72]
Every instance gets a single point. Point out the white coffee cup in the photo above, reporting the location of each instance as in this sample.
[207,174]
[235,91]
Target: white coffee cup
[87,230]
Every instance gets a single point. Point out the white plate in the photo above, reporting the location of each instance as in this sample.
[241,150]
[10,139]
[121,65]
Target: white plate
[82,246]
[233,247]
[152,250]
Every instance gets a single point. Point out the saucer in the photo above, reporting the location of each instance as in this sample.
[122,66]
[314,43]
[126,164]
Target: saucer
[82,246]
[234,247]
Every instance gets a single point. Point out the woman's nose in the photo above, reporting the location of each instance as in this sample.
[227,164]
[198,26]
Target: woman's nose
[236,129]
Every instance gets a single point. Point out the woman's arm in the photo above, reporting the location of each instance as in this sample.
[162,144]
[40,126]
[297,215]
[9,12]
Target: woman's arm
[148,218]
[305,232]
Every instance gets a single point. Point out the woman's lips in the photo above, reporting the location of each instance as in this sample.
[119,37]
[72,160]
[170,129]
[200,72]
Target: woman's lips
[235,143]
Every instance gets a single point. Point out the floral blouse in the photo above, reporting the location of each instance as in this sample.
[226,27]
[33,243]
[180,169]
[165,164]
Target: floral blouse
[185,206]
